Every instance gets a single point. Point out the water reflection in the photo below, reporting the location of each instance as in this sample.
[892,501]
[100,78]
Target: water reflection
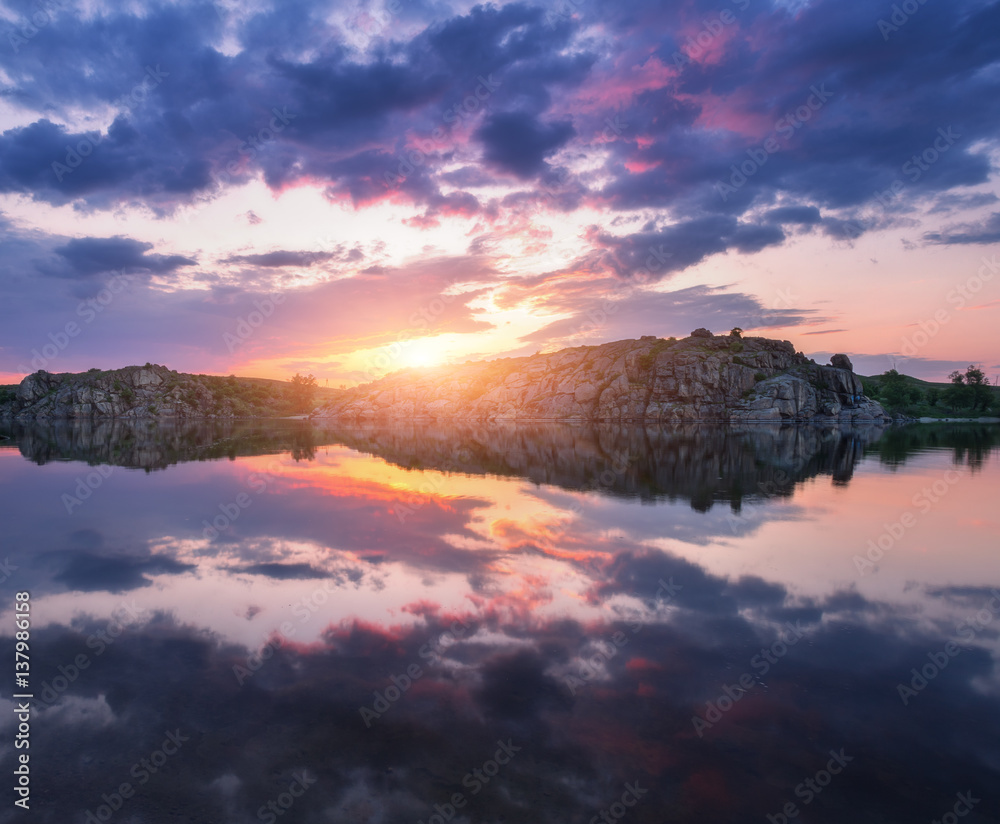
[703,464]
[505,623]
[150,444]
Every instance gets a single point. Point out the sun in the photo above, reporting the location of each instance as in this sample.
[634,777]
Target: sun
[421,352]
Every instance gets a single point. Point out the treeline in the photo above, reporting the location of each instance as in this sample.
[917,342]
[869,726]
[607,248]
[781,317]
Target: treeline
[967,393]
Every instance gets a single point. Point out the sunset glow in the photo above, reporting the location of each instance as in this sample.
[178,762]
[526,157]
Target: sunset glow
[486,181]
[476,411]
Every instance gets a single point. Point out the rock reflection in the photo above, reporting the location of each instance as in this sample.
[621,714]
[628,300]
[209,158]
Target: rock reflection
[150,444]
[701,463]
[704,464]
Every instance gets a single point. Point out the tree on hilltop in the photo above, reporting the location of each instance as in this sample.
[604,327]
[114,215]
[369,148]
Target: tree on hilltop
[967,389]
[301,392]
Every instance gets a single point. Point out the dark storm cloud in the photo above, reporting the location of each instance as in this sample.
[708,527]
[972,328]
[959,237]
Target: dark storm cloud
[121,164]
[805,215]
[517,143]
[90,572]
[515,686]
[883,104]
[89,256]
[988,231]
[206,118]
[967,596]
[953,201]
[342,120]
[281,258]
[283,572]
[676,247]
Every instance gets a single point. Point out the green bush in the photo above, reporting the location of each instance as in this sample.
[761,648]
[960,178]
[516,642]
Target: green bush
[894,389]
[648,360]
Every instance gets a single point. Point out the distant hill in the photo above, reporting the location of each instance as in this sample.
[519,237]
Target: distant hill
[154,391]
[921,394]
[703,377]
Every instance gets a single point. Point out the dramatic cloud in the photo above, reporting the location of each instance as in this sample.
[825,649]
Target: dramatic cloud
[684,244]
[988,231]
[89,256]
[516,143]
[281,259]
[698,131]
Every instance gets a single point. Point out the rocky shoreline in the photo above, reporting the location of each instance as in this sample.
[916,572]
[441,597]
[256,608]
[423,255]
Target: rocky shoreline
[701,378]
[704,377]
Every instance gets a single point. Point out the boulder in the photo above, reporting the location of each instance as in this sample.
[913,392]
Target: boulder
[842,362]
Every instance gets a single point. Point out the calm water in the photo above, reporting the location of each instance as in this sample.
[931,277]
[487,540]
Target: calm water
[239,623]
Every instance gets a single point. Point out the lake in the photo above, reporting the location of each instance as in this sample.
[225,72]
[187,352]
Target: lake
[238,622]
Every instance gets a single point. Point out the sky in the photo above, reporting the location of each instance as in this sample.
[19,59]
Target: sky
[347,189]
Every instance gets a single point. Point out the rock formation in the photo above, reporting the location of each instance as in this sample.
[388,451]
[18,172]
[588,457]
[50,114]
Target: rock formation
[149,391]
[700,378]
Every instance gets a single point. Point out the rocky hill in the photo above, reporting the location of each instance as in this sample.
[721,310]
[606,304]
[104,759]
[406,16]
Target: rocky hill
[149,391]
[703,377]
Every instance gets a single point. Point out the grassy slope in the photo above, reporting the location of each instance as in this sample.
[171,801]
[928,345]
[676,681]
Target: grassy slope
[323,394]
[921,409]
